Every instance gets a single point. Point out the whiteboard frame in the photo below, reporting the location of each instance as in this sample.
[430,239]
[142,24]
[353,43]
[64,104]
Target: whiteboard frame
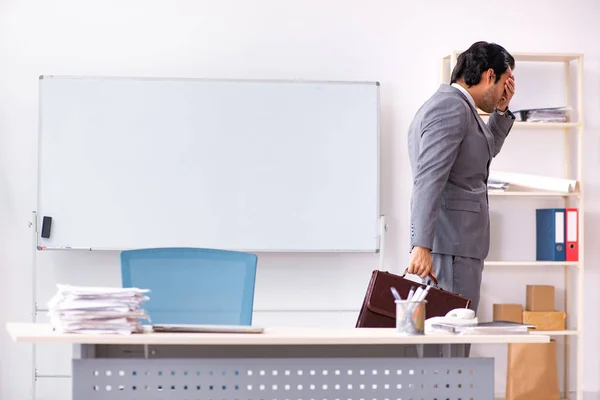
[379,217]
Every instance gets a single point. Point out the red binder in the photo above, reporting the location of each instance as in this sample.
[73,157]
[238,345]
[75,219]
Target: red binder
[572,234]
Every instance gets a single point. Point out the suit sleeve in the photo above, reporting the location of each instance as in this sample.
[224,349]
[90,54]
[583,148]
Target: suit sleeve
[500,126]
[442,130]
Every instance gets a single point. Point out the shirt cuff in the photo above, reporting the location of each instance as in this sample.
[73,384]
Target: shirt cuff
[506,114]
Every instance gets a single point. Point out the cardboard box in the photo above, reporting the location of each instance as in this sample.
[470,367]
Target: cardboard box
[546,320]
[540,298]
[508,312]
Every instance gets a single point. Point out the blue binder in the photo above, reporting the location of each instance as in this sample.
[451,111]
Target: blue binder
[550,234]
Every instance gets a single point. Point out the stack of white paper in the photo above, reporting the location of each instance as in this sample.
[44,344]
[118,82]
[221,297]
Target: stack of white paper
[497,186]
[482,328]
[551,114]
[97,309]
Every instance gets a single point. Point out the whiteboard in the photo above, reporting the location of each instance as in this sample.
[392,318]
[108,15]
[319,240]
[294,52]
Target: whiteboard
[227,164]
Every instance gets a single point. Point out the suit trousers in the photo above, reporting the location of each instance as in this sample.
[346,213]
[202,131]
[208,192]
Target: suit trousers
[461,275]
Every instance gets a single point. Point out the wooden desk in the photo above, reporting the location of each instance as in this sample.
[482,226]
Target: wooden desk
[285,363]
[39,333]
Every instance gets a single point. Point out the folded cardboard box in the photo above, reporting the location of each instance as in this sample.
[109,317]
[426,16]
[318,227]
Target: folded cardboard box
[508,312]
[540,298]
[546,320]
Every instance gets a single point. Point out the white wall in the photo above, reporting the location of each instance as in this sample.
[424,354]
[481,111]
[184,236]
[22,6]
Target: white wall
[396,43]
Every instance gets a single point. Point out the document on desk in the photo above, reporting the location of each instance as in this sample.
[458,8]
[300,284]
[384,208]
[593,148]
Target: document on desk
[485,328]
[95,310]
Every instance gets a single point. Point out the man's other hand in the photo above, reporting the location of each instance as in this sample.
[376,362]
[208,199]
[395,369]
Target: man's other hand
[508,93]
[420,262]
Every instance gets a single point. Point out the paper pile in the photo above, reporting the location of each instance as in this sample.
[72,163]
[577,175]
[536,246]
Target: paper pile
[97,309]
[497,186]
[551,114]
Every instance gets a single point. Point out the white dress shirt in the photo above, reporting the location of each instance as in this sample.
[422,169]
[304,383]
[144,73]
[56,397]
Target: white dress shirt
[462,89]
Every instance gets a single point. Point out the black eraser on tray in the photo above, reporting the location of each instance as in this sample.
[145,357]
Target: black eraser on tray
[46,225]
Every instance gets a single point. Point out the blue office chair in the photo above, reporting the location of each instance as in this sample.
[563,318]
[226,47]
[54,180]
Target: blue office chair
[193,286]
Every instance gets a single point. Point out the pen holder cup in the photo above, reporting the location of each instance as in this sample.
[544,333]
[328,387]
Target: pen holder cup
[410,317]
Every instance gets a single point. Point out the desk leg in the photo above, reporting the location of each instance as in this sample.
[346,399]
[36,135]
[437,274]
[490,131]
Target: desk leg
[83,351]
[420,350]
[446,350]
[459,350]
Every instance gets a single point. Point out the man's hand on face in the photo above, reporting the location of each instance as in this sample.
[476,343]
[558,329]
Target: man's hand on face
[509,91]
[420,262]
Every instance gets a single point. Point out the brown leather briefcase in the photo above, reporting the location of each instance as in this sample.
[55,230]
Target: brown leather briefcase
[379,309]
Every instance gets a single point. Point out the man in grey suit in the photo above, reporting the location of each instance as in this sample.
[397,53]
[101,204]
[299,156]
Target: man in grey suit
[450,149]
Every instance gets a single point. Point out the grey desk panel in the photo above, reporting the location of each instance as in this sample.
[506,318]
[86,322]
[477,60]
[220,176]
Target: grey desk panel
[254,351]
[283,378]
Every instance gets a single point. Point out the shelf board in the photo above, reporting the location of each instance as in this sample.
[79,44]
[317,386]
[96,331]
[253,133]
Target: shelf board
[548,57]
[545,57]
[539,125]
[545,125]
[525,193]
[530,263]
[555,333]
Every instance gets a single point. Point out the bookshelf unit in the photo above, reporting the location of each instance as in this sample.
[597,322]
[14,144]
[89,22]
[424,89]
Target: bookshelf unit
[571,130]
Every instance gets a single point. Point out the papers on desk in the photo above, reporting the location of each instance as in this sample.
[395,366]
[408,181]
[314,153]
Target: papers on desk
[484,328]
[95,310]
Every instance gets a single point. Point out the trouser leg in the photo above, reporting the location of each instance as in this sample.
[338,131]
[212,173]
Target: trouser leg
[461,275]
[467,273]
[442,268]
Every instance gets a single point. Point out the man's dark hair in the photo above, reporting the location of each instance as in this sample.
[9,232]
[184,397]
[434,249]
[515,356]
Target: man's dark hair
[480,57]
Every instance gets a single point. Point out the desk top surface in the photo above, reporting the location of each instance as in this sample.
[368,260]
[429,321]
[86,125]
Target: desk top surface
[39,333]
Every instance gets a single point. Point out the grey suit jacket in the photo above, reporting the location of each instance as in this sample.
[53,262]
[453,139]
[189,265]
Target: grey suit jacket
[450,150]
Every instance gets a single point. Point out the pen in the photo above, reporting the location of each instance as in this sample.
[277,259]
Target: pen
[424,294]
[395,293]
[410,293]
[417,294]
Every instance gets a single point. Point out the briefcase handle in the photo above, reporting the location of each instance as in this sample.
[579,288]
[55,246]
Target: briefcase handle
[431,277]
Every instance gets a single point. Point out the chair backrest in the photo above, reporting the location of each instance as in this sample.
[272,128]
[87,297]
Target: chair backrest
[193,286]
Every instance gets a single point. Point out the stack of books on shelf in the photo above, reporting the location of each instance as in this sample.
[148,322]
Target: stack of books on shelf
[95,310]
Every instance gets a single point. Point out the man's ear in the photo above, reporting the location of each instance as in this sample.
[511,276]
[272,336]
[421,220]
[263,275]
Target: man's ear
[489,76]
